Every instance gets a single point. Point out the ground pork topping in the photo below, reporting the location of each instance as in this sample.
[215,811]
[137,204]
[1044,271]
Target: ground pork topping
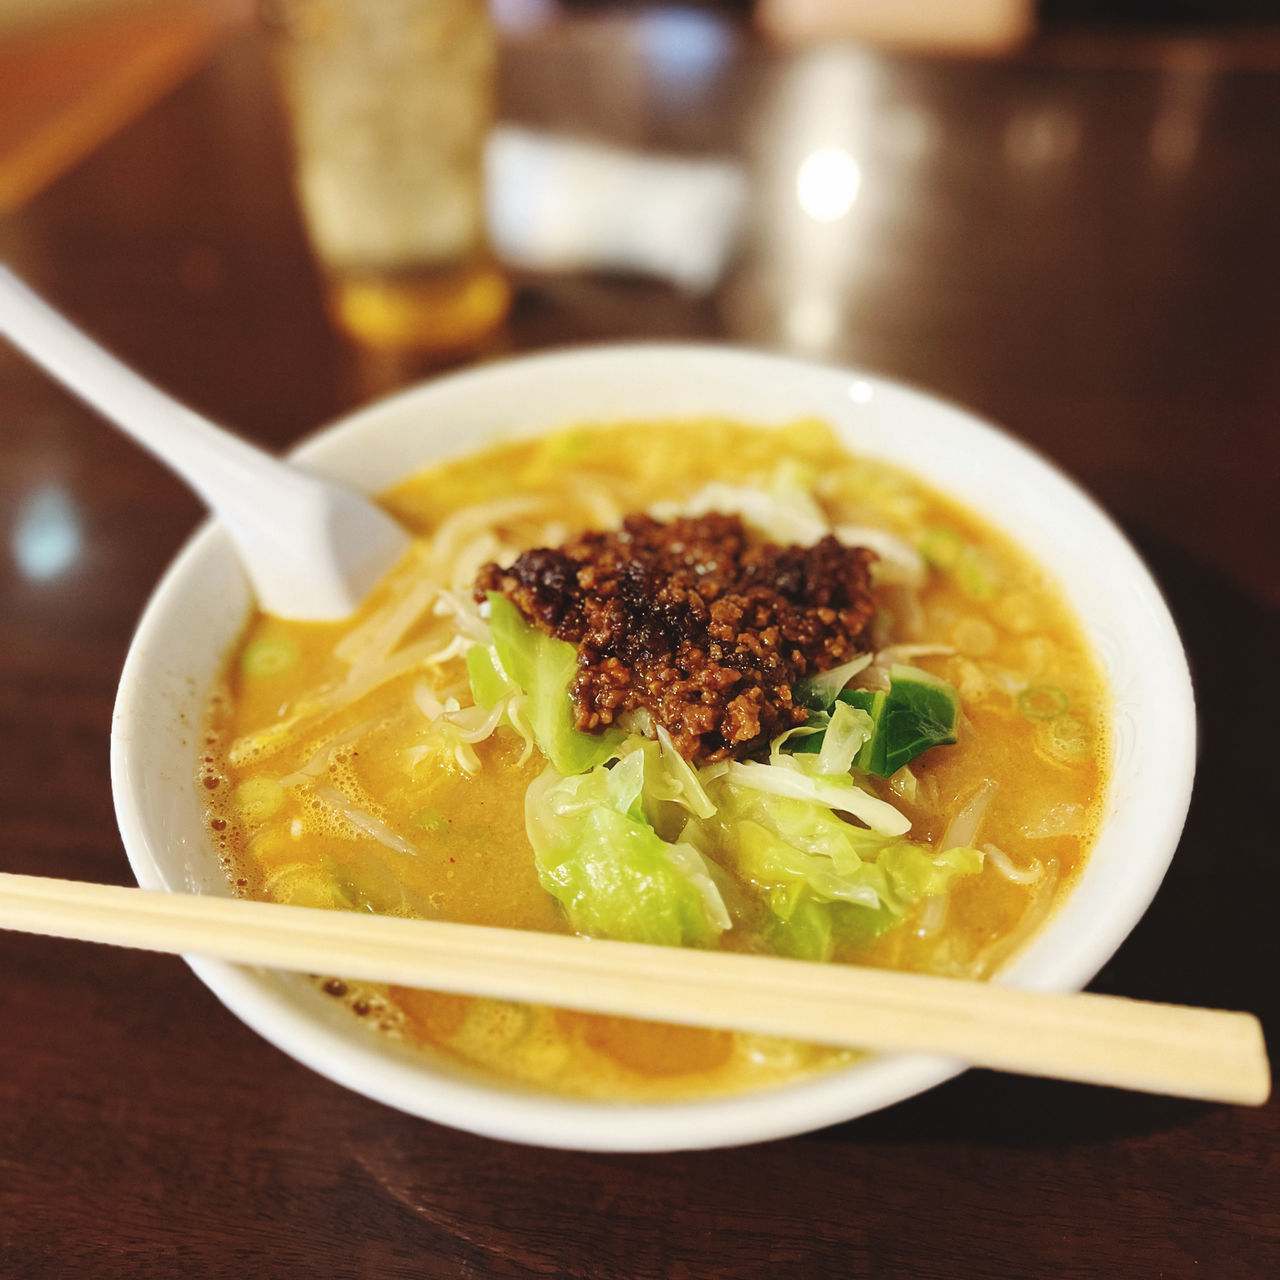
[694,623]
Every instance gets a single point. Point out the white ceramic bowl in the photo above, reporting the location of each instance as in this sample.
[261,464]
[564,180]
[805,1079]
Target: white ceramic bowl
[201,604]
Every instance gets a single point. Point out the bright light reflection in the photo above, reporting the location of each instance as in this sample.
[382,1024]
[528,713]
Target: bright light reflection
[860,392]
[46,538]
[827,183]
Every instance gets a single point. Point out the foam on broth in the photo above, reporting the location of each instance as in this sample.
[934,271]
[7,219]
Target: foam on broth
[325,799]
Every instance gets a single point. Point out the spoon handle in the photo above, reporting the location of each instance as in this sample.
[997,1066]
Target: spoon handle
[311,548]
[203,454]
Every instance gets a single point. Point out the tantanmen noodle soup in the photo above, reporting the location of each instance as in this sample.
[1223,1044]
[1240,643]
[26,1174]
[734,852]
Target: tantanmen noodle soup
[695,646]
[686,682]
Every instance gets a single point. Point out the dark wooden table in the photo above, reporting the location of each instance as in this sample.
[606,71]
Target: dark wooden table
[1080,243]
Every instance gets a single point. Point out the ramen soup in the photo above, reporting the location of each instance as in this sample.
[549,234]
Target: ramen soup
[690,683]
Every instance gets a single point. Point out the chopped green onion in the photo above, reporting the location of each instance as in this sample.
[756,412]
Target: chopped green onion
[349,896]
[975,577]
[429,820]
[258,799]
[569,445]
[1043,702]
[303,886]
[268,656]
[370,889]
[946,550]
[942,548]
[1069,737]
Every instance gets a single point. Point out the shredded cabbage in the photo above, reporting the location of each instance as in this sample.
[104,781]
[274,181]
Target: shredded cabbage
[676,776]
[820,691]
[846,733]
[823,879]
[798,777]
[899,560]
[784,512]
[597,854]
[638,844]
[542,667]
[489,682]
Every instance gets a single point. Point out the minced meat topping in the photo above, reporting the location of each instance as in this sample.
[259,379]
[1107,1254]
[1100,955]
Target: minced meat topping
[694,623]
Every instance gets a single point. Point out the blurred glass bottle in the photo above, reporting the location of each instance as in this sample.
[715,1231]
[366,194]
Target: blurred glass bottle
[390,103]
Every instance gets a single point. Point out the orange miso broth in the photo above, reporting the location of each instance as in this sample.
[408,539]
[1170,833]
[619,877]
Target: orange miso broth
[351,766]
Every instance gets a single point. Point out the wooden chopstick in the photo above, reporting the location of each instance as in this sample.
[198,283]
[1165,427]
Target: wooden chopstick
[1131,1044]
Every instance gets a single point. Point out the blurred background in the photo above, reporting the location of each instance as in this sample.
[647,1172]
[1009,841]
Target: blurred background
[1062,215]
[1035,209]
[770,158]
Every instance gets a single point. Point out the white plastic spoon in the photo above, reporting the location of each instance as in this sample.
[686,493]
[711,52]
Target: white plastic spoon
[312,548]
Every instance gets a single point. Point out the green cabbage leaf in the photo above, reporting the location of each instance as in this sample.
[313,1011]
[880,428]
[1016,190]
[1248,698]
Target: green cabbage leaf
[917,712]
[826,883]
[599,855]
[522,657]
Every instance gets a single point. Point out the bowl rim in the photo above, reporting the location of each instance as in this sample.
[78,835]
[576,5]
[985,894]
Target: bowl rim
[285,1011]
